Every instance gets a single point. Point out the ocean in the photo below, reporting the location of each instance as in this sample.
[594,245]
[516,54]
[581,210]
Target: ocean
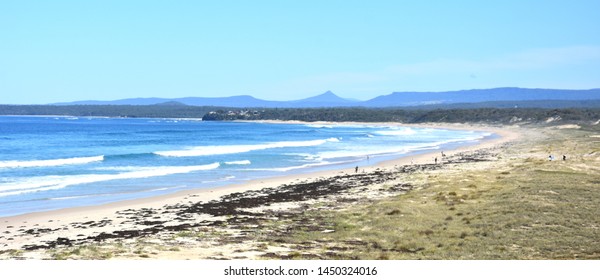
[49,162]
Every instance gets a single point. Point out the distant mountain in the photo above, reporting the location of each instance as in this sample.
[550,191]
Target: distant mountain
[327,99]
[232,101]
[479,95]
[540,104]
[396,99]
[128,101]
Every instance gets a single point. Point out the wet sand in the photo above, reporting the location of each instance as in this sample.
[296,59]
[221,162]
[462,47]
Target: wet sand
[161,216]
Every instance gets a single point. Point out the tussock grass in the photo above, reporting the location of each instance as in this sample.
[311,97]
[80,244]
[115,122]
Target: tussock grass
[87,252]
[521,207]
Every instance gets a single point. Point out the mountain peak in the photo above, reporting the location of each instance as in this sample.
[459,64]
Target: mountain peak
[326,97]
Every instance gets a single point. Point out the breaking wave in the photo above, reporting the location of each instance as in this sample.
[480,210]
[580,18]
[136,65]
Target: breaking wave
[238,162]
[235,149]
[47,183]
[49,162]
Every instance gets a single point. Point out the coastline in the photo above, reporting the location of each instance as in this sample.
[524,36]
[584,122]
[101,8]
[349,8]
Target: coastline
[65,218]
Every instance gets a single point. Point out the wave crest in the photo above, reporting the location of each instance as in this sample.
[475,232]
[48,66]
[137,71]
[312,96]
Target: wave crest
[46,183]
[238,162]
[397,132]
[235,149]
[49,162]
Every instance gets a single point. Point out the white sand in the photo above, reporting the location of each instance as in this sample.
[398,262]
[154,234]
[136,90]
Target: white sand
[63,218]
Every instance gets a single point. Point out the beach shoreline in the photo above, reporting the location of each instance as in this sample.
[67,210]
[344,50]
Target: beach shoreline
[64,217]
[503,134]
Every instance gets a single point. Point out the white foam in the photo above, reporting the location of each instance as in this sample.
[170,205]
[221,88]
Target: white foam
[49,162]
[289,168]
[306,156]
[158,190]
[340,125]
[235,149]
[363,152]
[319,126]
[222,179]
[374,150]
[359,153]
[309,165]
[46,183]
[126,168]
[70,197]
[238,162]
[400,131]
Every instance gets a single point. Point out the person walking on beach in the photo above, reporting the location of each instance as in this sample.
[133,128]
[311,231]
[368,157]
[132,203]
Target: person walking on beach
[435,160]
[356,169]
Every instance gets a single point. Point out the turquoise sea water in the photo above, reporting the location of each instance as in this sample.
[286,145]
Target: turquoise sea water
[59,162]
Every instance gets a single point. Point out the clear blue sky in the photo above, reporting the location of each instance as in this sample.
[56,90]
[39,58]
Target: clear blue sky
[53,51]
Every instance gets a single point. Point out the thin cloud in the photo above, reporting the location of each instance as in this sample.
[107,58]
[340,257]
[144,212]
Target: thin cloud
[531,59]
[512,69]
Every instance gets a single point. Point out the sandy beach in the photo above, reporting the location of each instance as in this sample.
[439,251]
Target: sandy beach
[500,199]
[37,232]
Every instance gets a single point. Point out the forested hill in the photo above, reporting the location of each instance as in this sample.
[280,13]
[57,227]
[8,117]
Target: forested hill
[486,115]
[176,110]
[166,110]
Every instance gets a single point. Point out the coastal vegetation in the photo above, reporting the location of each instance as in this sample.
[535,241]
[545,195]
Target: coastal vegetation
[405,115]
[165,110]
[485,115]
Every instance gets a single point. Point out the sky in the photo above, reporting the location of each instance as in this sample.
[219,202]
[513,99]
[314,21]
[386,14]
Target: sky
[60,51]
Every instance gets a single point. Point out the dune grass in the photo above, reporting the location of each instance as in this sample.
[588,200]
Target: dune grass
[522,206]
